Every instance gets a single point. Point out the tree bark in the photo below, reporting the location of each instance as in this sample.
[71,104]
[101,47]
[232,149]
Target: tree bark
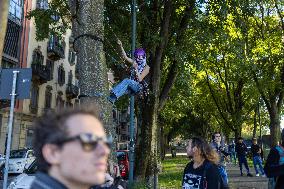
[172,76]
[273,103]
[93,81]
[255,121]
[147,158]
[142,150]
[274,126]
[4,8]
[238,133]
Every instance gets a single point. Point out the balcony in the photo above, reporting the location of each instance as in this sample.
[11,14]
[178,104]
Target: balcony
[41,73]
[72,91]
[55,50]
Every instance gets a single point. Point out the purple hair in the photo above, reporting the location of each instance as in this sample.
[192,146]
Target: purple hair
[138,52]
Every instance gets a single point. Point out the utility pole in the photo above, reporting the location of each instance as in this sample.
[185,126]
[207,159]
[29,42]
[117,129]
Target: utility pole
[132,143]
[10,129]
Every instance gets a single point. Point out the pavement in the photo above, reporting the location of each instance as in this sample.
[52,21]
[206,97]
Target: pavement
[236,181]
[10,179]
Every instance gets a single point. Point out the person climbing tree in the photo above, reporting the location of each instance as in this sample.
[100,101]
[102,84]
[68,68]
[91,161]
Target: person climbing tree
[139,71]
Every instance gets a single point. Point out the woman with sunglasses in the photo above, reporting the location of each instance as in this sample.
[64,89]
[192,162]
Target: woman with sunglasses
[139,71]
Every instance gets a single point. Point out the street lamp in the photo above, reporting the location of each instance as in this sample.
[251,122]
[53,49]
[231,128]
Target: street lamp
[132,143]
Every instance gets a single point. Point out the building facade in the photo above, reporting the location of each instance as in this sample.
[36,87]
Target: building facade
[53,63]
[54,81]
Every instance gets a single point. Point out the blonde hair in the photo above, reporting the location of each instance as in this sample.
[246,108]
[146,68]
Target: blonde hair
[206,151]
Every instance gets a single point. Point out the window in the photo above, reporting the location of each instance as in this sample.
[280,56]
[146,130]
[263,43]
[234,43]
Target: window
[34,98]
[61,75]
[15,10]
[69,104]
[29,138]
[37,56]
[30,154]
[18,154]
[48,97]
[70,77]
[12,38]
[77,103]
[55,17]
[50,66]
[63,45]
[42,4]
[59,101]
[71,57]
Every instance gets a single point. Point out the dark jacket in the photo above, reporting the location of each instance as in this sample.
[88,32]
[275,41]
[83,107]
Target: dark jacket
[255,150]
[272,168]
[241,149]
[44,181]
[194,178]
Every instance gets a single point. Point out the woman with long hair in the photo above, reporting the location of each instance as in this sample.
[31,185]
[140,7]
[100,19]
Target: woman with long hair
[202,171]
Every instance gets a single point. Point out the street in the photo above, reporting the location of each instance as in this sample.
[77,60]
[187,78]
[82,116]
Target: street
[10,179]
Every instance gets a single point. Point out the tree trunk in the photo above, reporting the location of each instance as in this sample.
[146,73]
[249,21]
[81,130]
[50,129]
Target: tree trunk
[274,126]
[143,148]
[147,156]
[163,144]
[93,81]
[238,133]
[254,122]
[4,7]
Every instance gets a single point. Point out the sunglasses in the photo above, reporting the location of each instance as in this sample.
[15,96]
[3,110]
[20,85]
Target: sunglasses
[88,141]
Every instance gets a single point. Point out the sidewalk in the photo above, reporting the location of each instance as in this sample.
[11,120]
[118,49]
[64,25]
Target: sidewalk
[236,181]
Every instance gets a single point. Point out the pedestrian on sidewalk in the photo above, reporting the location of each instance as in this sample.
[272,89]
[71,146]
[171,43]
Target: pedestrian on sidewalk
[242,150]
[274,166]
[71,150]
[202,172]
[256,156]
[232,151]
[218,144]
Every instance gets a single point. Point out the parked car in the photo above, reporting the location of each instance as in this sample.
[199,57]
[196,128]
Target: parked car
[2,166]
[24,180]
[19,159]
[123,162]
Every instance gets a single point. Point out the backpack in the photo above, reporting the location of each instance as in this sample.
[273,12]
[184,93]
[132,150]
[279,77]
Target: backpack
[272,181]
[222,174]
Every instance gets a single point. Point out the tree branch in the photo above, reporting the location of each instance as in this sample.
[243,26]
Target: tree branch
[268,105]
[279,14]
[173,73]
[164,33]
[171,78]
[281,95]
[215,100]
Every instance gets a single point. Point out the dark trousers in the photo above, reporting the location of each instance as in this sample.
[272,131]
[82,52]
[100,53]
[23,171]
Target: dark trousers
[243,160]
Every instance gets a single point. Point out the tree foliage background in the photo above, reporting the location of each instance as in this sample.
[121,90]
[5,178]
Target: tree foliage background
[214,65]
